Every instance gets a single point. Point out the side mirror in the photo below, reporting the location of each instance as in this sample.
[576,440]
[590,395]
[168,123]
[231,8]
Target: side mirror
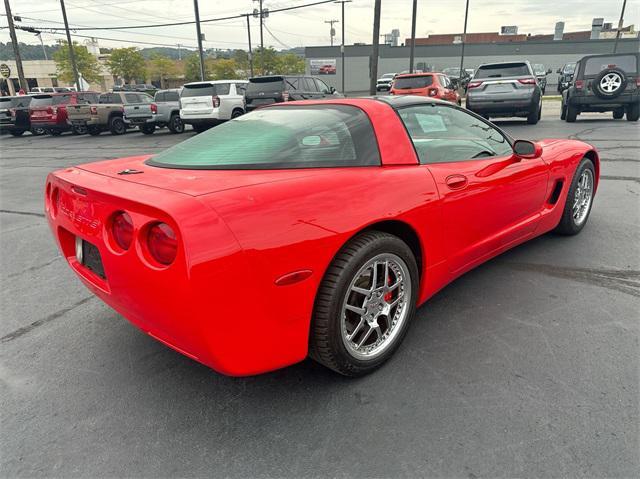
[527,149]
[332,90]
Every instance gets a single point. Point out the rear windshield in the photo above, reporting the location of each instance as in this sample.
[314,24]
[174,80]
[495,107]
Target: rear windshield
[626,63]
[405,83]
[569,68]
[41,100]
[310,136]
[265,85]
[61,99]
[503,70]
[206,89]
[15,102]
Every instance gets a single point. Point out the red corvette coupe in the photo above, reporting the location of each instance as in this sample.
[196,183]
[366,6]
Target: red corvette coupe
[310,228]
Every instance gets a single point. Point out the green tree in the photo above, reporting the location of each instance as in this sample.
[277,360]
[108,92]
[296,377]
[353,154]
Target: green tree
[265,62]
[192,68]
[127,63]
[290,64]
[161,67]
[241,57]
[87,64]
[224,69]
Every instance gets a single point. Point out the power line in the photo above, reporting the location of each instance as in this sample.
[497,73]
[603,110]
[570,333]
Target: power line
[276,38]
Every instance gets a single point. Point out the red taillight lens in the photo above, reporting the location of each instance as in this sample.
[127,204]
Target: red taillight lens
[285,96]
[216,101]
[579,84]
[473,84]
[638,81]
[122,230]
[433,91]
[527,81]
[154,108]
[162,243]
[93,110]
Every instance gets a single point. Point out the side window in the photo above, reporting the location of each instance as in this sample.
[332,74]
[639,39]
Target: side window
[241,88]
[293,83]
[446,82]
[309,85]
[223,88]
[161,96]
[144,98]
[132,98]
[171,96]
[322,86]
[442,134]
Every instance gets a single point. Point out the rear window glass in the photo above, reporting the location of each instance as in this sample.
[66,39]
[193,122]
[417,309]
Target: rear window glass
[109,98]
[404,83]
[171,96]
[41,100]
[260,85]
[15,102]
[503,70]
[61,99]
[206,89]
[626,63]
[280,137]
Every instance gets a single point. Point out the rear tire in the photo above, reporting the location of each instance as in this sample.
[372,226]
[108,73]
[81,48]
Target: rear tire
[37,131]
[94,130]
[633,112]
[148,129]
[563,111]
[55,132]
[79,130]
[117,126]
[236,113]
[330,343]
[570,224]
[572,114]
[618,114]
[175,124]
[534,116]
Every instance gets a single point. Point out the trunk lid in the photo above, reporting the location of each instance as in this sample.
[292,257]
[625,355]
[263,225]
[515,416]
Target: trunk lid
[191,182]
[78,112]
[138,111]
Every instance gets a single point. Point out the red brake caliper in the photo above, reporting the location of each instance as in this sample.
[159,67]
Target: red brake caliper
[387,297]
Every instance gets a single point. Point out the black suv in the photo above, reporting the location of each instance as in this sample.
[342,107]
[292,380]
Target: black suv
[14,115]
[607,82]
[565,75]
[278,88]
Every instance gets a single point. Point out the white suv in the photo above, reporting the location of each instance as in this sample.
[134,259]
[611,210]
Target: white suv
[204,104]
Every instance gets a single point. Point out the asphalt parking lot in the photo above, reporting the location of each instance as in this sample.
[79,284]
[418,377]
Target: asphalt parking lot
[528,366]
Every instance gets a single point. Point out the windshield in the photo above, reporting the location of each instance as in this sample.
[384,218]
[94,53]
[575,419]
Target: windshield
[451,71]
[626,63]
[405,83]
[569,68]
[280,137]
[503,70]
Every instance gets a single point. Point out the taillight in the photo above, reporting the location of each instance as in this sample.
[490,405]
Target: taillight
[433,91]
[285,96]
[154,108]
[93,110]
[122,230]
[527,81]
[162,243]
[638,81]
[579,84]
[216,101]
[473,84]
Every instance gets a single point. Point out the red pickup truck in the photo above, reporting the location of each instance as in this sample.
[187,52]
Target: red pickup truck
[49,110]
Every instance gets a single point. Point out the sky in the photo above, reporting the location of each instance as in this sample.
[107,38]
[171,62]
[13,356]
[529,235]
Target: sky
[304,27]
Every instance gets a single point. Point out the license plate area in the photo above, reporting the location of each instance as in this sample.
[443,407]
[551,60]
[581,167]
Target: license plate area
[88,255]
[78,122]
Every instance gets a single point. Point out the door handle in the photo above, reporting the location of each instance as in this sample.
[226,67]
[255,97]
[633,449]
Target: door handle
[455,182]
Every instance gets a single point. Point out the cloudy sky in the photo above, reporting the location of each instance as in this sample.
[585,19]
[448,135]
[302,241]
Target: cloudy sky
[305,27]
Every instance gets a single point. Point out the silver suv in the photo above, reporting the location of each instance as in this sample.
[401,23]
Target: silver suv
[504,90]
[205,104]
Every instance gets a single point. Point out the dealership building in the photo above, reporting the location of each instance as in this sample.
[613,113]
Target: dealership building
[436,54]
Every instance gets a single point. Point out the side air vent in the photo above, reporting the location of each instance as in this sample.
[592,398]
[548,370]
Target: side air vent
[555,194]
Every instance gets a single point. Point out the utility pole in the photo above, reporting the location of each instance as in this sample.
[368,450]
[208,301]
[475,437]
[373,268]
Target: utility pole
[250,52]
[615,45]
[261,15]
[413,35]
[179,45]
[332,31]
[464,40]
[16,50]
[199,33]
[342,67]
[373,71]
[72,53]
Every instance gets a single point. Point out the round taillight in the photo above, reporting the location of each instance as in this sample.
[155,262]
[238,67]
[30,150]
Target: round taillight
[162,243]
[122,230]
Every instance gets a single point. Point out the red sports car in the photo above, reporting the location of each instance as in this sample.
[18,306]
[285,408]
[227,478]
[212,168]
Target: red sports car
[310,228]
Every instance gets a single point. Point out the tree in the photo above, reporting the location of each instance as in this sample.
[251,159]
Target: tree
[266,61]
[224,69]
[192,68]
[162,67]
[241,57]
[127,63]
[87,64]
[290,64]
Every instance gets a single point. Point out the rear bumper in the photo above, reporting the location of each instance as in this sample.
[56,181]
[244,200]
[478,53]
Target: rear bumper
[143,120]
[50,125]
[193,118]
[90,121]
[594,103]
[505,107]
[198,304]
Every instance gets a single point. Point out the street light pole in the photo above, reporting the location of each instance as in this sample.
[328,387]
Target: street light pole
[464,40]
[199,32]
[16,50]
[250,52]
[342,67]
[413,35]
[373,72]
[615,45]
[72,54]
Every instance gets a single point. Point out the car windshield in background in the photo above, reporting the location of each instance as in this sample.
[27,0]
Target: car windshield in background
[569,68]
[503,70]
[626,63]
[388,75]
[452,72]
[41,100]
[539,69]
[206,89]
[265,85]
[15,102]
[280,137]
[407,83]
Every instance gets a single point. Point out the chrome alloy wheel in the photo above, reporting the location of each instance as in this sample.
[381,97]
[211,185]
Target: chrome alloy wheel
[582,197]
[376,306]
[610,82]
